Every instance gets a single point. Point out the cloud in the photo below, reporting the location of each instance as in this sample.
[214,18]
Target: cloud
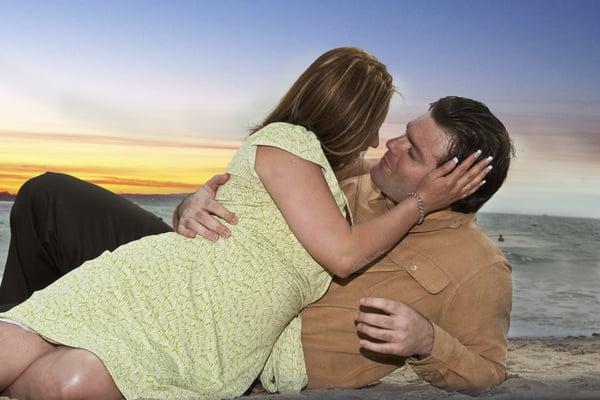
[120,140]
[41,168]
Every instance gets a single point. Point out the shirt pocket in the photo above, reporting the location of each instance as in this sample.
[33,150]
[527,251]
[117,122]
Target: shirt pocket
[411,277]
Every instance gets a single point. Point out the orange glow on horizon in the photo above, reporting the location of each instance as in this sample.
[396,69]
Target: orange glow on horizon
[144,165]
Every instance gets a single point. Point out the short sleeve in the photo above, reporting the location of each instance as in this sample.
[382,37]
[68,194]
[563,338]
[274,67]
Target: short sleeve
[294,139]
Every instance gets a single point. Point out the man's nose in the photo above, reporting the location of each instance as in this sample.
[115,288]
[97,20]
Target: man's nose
[393,145]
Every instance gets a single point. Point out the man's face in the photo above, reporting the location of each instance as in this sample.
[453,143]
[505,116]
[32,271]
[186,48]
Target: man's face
[410,157]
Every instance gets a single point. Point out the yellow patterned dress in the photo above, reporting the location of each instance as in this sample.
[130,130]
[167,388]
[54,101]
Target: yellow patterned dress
[176,318]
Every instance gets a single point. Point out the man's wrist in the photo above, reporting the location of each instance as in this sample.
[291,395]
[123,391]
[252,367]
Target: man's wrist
[428,339]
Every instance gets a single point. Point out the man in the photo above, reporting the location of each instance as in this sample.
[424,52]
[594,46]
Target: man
[440,300]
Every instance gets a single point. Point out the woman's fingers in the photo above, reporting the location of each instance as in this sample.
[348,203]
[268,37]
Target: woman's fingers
[472,189]
[475,175]
[443,170]
[477,182]
[464,166]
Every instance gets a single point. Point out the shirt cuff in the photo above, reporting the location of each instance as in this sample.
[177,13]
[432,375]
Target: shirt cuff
[444,346]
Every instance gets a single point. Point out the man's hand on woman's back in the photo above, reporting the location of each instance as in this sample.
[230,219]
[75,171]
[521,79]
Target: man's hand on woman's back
[196,214]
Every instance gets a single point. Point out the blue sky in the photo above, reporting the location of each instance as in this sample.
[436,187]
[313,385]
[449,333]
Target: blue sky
[208,70]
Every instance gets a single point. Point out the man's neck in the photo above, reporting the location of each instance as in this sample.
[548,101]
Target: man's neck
[390,203]
[360,167]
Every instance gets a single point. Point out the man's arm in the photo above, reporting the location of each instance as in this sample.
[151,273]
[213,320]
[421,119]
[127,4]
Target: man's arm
[467,350]
[470,346]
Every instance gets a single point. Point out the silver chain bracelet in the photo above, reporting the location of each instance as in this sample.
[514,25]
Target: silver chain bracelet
[421,207]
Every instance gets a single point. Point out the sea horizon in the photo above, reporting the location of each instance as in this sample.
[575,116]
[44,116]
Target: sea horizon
[133,196]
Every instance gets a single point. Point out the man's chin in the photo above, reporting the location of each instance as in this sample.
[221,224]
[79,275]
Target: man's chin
[376,173]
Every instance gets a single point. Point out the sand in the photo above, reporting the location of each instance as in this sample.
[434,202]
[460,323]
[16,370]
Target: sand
[538,368]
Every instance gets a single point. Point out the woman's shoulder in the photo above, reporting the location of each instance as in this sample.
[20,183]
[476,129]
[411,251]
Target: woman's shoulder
[287,130]
[288,136]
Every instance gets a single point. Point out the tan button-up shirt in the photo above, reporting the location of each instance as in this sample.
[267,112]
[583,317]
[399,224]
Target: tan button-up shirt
[448,270]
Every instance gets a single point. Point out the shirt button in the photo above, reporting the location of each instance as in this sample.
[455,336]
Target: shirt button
[413,268]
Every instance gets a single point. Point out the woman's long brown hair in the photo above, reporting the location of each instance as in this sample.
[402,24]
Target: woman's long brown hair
[343,97]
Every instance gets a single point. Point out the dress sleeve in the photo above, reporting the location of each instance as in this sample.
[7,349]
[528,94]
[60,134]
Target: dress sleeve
[294,139]
[300,142]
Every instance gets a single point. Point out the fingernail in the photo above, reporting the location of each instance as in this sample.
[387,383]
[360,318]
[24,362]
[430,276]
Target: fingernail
[489,168]
[482,183]
[489,159]
[234,220]
[226,234]
[455,160]
[477,153]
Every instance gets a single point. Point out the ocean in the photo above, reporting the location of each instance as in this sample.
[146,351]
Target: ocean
[555,260]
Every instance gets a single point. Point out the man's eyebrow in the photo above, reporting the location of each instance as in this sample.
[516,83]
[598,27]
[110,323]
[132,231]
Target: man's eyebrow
[413,144]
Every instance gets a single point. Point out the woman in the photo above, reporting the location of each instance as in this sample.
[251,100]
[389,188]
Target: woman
[169,317]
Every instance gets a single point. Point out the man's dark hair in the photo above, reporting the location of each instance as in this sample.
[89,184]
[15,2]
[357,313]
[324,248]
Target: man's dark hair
[470,126]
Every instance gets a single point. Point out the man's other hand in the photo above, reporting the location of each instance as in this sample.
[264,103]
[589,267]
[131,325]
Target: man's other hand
[196,215]
[400,330]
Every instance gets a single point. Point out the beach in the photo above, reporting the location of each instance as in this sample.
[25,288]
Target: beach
[538,368]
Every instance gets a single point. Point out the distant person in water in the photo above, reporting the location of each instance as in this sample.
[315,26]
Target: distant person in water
[500,238]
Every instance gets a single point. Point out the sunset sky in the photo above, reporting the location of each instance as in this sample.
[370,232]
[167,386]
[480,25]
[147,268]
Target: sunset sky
[155,96]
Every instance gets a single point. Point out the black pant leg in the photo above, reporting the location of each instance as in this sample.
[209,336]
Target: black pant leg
[57,222]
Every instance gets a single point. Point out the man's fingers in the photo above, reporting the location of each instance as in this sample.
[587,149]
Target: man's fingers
[389,306]
[184,231]
[383,348]
[217,181]
[378,320]
[385,335]
[212,224]
[193,225]
[220,211]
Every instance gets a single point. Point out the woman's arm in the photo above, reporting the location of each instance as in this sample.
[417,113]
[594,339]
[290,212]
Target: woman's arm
[301,193]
